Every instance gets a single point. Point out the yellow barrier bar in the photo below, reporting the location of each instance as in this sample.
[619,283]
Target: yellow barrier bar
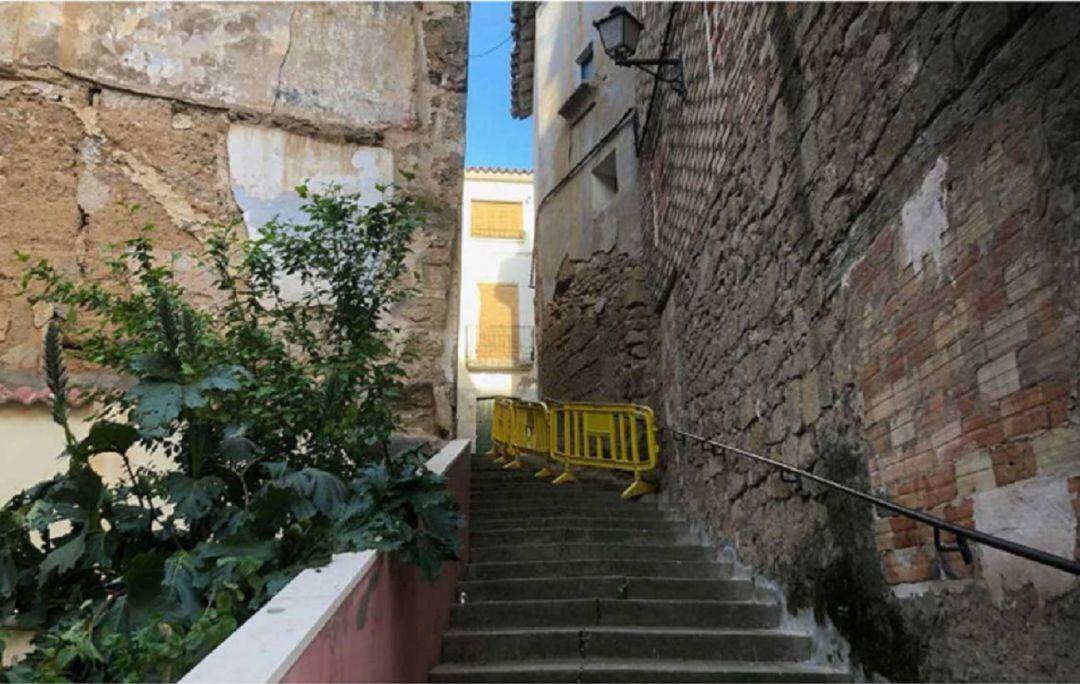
[613,436]
[595,435]
[502,418]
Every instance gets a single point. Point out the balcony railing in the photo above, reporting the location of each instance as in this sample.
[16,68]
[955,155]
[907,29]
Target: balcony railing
[499,347]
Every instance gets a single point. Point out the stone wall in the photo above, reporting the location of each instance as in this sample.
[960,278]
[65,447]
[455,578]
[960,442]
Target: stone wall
[199,113]
[599,333]
[861,231]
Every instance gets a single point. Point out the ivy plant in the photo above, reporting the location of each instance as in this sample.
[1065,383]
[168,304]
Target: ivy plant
[267,409]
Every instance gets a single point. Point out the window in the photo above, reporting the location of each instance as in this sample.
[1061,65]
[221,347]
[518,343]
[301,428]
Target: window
[586,64]
[497,333]
[605,182]
[497,219]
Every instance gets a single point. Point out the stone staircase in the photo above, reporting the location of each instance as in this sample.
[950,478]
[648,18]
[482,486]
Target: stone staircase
[573,584]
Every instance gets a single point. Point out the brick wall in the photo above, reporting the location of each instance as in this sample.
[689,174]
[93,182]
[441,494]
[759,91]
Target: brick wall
[861,229]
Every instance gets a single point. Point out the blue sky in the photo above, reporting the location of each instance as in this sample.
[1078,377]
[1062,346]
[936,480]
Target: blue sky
[492,137]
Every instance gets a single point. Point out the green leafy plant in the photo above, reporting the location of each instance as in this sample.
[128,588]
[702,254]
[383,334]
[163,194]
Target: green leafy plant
[268,413]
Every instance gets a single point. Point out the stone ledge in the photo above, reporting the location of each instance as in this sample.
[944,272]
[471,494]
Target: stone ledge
[273,645]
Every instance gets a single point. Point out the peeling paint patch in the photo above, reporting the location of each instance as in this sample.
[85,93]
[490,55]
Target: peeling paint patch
[266,165]
[216,55]
[924,218]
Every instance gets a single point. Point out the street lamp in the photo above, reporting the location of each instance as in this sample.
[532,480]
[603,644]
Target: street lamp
[619,33]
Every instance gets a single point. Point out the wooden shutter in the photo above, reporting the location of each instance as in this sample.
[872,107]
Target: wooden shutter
[497,219]
[497,333]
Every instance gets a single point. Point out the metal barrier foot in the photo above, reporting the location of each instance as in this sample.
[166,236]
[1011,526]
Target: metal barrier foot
[637,488]
[514,465]
[566,476]
[544,473]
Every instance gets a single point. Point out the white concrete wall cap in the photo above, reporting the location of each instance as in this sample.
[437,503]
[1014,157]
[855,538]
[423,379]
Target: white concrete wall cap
[265,647]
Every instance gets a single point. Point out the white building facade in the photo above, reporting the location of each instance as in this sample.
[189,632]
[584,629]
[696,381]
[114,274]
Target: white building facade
[495,337]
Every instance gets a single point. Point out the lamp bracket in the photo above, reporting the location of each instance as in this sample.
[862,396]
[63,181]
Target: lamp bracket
[672,64]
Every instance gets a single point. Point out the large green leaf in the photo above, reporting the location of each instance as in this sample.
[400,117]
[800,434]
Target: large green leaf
[183,581]
[63,558]
[194,499]
[441,520]
[156,365]
[325,491]
[143,579]
[201,442]
[194,396]
[9,574]
[428,555]
[78,496]
[223,378]
[156,404]
[108,437]
[238,450]
[272,505]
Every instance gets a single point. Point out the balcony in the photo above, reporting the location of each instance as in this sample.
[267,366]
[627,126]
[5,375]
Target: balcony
[499,348]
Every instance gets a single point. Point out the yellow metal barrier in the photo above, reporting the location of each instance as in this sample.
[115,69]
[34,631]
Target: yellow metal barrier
[502,420]
[529,433]
[613,436]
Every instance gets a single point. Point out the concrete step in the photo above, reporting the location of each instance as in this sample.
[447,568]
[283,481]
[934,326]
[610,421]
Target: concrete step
[485,525]
[568,534]
[568,492]
[597,566]
[548,510]
[605,587]
[615,612]
[535,496]
[586,477]
[588,551]
[495,485]
[635,670]
[755,645]
[523,502]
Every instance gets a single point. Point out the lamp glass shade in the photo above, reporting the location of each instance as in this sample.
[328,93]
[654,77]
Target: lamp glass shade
[619,33]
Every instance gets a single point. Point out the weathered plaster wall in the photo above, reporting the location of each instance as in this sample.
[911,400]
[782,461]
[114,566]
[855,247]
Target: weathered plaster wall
[202,112]
[592,327]
[862,233]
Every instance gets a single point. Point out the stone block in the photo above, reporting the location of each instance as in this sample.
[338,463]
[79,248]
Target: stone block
[974,473]
[902,428]
[999,377]
[1012,462]
[811,400]
[1037,512]
[1057,451]
[1026,422]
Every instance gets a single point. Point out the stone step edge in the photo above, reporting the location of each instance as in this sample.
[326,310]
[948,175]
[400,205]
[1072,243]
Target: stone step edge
[604,578]
[691,665]
[645,602]
[595,560]
[495,633]
[587,544]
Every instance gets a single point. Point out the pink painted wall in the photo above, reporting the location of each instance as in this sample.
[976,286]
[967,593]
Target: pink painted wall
[390,627]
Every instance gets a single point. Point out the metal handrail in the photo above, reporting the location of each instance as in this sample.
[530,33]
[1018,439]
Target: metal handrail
[963,534]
